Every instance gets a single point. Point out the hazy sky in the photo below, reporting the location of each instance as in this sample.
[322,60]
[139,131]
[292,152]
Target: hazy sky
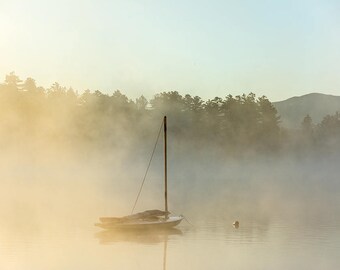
[207,48]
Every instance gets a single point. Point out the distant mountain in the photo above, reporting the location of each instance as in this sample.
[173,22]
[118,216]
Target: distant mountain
[293,110]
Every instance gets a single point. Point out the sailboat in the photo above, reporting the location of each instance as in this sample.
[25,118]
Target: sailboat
[149,219]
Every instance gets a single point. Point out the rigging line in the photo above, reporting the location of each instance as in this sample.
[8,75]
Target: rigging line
[188,221]
[147,169]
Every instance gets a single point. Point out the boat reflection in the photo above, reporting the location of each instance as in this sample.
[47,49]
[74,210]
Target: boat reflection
[137,236]
[146,237]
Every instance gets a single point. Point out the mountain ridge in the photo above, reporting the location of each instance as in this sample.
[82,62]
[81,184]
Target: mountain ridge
[316,105]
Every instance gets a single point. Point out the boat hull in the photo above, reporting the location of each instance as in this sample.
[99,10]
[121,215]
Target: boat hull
[142,224]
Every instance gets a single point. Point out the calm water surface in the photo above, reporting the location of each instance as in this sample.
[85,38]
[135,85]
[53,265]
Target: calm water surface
[288,213]
[274,245]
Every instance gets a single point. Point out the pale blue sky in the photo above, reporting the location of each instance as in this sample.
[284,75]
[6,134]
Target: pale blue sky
[206,48]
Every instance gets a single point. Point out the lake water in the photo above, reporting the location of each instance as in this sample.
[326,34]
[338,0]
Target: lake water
[277,244]
[289,215]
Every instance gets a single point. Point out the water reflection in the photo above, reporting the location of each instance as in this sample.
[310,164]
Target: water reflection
[145,237]
[209,245]
[136,236]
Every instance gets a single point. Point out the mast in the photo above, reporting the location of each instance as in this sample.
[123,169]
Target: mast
[165,170]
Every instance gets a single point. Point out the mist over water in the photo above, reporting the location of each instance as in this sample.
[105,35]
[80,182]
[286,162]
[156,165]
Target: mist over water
[67,186]
[51,198]
[67,160]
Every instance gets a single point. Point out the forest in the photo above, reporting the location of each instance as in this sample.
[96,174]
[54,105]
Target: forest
[231,126]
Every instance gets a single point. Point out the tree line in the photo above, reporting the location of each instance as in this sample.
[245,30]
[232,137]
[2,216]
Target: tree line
[233,125]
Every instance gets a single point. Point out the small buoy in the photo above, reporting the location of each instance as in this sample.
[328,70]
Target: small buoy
[236,224]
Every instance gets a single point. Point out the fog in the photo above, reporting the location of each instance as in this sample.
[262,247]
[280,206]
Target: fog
[56,182]
[67,159]
[57,186]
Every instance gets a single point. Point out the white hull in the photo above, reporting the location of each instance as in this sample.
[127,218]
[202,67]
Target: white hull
[143,224]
